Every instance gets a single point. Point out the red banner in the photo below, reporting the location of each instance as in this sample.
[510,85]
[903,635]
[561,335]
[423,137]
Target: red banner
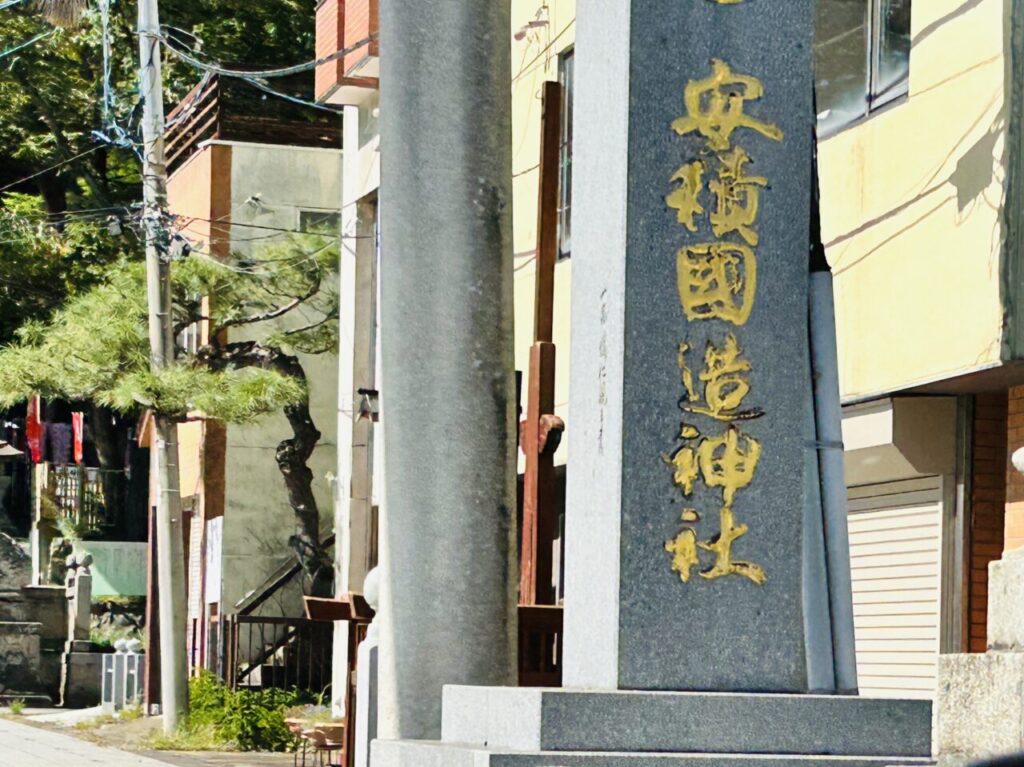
[78,427]
[34,430]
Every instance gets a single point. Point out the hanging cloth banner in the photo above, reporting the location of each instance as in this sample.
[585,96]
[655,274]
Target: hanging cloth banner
[78,427]
[34,430]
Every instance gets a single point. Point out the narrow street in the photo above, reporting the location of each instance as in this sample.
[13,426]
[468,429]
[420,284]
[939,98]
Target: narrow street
[24,745]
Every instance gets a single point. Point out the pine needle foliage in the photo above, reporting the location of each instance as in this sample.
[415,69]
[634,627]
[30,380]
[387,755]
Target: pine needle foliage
[96,347]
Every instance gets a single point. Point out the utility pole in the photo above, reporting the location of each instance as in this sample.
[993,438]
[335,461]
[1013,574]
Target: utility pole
[170,563]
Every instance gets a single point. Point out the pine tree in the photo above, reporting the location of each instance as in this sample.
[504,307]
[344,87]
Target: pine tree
[262,314]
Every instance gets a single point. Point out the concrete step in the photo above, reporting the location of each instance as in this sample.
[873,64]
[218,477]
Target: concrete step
[566,720]
[437,754]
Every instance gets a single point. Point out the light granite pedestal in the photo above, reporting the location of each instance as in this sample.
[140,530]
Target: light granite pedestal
[563,728]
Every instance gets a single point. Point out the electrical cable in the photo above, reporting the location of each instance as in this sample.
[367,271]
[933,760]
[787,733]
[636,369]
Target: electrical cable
[523,71]
[44,171]
[265,73]
[27,43]
[10,4]
[294,99]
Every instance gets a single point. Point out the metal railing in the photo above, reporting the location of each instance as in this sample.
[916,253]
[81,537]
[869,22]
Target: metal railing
[78,494]
[271,652]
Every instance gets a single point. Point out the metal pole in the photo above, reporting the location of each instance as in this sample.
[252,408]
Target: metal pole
[829,416]
[170,562]
[449,571]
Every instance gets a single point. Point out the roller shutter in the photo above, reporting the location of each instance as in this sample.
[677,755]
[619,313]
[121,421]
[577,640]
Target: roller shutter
[895,556]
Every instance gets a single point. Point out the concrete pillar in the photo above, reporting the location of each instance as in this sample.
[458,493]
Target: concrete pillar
[448,544]
[357,365]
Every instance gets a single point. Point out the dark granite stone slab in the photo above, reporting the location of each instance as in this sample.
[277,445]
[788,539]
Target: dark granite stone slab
[728,633]
[430,754]
[566,720]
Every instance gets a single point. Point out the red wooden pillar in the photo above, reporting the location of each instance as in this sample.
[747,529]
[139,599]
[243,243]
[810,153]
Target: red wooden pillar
[539,523]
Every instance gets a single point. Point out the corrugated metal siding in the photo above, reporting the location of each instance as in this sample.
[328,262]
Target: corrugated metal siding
[895,556]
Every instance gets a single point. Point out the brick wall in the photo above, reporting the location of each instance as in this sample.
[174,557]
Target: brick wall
[362,19]
[988,502]
[1014,528]
[330,34]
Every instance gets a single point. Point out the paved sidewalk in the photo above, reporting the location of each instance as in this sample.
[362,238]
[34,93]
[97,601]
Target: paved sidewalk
[22,745]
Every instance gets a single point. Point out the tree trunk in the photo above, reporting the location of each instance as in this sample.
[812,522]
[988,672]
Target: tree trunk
[110,439]
[292,459]
[293,456]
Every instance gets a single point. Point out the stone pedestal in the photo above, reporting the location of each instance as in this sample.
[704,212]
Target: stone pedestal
[980,700]
[81,669]
[366,697]
[81,682]
[20,654]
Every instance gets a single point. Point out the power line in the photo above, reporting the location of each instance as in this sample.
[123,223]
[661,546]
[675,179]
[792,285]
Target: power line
[523,71]
[44,171]
[294,99]
[264,73]
[256,81]
[27,43]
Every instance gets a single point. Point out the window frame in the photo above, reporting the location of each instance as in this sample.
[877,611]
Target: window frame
[875,99]
[324,214]
[874,102]
[565,150]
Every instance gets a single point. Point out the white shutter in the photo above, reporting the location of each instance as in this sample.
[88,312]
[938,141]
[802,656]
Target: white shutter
[895,557]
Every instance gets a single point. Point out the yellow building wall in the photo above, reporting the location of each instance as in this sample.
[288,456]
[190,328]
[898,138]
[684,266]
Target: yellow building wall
[911,206]
[534,60]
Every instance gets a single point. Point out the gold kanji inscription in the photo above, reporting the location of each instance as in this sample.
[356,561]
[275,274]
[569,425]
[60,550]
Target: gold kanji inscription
[715,107]
[728,461]
[685,469]
[717,280]
[738,196]
[685,197]
[721,546]
[683,549]
[725,382]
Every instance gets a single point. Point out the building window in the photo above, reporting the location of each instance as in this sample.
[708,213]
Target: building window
[862,58]
[320,221]
[566,69]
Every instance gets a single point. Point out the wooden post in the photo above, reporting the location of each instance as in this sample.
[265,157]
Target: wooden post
[539,525]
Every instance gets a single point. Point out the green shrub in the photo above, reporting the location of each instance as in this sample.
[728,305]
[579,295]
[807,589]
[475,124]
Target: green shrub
[17,706]
[249,720]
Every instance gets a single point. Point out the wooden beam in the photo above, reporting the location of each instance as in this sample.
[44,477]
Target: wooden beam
[539,525]
[547,210]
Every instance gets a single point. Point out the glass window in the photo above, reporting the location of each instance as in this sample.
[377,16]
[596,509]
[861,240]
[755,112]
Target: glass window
[862,58]
[841,63]
[891,75]
[566,69]
[320,221]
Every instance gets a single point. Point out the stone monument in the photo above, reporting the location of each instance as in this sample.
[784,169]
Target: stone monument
[699,624]
[81,668]
[980,696]
[366,676]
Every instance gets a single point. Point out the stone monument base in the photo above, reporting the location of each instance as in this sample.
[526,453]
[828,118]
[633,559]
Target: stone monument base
[81,679]
[980,699]
[515,727]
